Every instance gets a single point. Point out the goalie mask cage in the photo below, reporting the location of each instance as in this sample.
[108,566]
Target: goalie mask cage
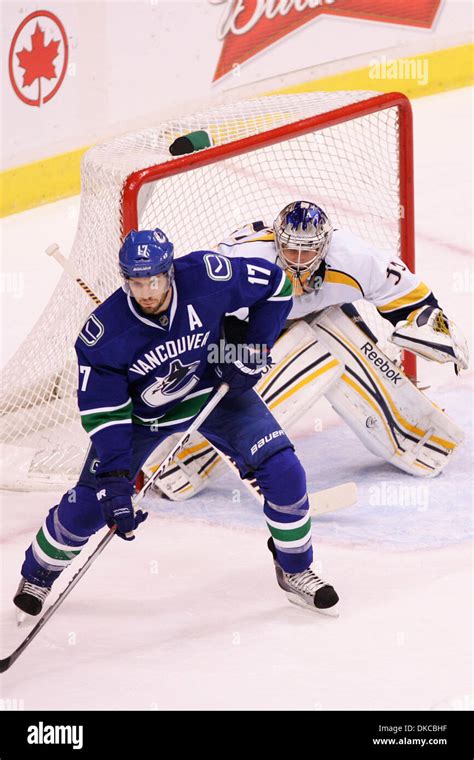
[350,152]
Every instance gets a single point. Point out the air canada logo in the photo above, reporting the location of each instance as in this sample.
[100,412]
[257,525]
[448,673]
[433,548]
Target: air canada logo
[179,381]
[250,26]
[38,58]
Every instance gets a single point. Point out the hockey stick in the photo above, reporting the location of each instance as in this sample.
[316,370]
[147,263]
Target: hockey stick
[332,499]
[53,250]
[7,662]
[321,502]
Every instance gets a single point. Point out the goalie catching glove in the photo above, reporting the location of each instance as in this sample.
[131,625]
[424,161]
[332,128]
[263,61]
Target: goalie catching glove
[114,494]
[429,333]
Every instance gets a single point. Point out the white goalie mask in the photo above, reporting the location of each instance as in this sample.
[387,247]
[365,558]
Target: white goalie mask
[302,236]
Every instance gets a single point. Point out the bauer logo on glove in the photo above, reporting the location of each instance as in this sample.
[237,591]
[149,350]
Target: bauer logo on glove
[115,496]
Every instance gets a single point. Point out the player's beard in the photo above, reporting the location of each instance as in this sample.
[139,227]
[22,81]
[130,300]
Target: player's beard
[155,306]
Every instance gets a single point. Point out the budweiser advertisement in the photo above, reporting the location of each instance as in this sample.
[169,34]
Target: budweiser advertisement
[251,26]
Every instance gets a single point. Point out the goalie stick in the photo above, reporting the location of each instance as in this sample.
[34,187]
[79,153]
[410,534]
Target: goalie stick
[321,502]
[7,662]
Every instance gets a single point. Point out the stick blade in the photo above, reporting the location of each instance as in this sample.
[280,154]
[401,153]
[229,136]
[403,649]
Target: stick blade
[5,664]
[333,499]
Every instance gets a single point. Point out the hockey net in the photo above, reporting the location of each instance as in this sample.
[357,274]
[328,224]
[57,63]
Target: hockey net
[350,152]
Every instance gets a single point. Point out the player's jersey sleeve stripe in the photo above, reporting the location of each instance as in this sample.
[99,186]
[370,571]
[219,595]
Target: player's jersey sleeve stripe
[99,409]
[109,424]
[95,420]
[409,299]
[283,291]
[341,278]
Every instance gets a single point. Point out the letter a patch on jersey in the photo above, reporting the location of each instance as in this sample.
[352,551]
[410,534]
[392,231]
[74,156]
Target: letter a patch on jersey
[194,320]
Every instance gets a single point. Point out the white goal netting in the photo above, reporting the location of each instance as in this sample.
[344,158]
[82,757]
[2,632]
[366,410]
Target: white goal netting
[350,168]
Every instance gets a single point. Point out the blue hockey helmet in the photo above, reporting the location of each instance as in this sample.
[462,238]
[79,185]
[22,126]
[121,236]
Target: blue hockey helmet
[146,253]
[303,228]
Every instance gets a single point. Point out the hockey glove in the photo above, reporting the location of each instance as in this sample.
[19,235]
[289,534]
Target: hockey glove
[114,493]
[241,375]
[429,333]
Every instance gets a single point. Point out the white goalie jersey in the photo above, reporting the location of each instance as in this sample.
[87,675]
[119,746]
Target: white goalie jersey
[353,270]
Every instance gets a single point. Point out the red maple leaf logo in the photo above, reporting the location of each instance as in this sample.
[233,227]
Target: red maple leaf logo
[38,62]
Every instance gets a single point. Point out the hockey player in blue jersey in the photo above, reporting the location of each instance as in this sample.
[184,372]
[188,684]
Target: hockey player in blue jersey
[145,373]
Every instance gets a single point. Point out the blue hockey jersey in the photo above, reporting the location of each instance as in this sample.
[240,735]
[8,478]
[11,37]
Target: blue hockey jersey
[136,369]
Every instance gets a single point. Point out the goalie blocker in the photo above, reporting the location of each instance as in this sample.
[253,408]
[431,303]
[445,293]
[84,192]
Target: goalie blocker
[334,357]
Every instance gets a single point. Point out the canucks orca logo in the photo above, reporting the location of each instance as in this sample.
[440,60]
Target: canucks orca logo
[178,382]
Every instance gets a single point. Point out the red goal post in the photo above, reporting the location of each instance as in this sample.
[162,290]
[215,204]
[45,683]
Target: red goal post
[138,179]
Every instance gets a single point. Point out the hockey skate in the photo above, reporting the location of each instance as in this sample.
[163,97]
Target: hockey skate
[29,599]
[306,589]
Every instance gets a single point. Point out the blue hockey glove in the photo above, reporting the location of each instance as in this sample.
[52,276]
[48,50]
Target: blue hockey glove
[114,494]
[242,375]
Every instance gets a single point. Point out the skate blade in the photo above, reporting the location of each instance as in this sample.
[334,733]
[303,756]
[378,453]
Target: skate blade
[328,612]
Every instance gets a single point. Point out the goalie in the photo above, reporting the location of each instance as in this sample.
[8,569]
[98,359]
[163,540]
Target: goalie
[330,269]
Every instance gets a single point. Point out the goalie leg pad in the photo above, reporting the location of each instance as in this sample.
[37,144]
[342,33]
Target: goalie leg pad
[303,370]
[389,414]
[190,470]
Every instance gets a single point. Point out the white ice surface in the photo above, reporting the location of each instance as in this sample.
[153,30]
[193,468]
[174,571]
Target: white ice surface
[189,615]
